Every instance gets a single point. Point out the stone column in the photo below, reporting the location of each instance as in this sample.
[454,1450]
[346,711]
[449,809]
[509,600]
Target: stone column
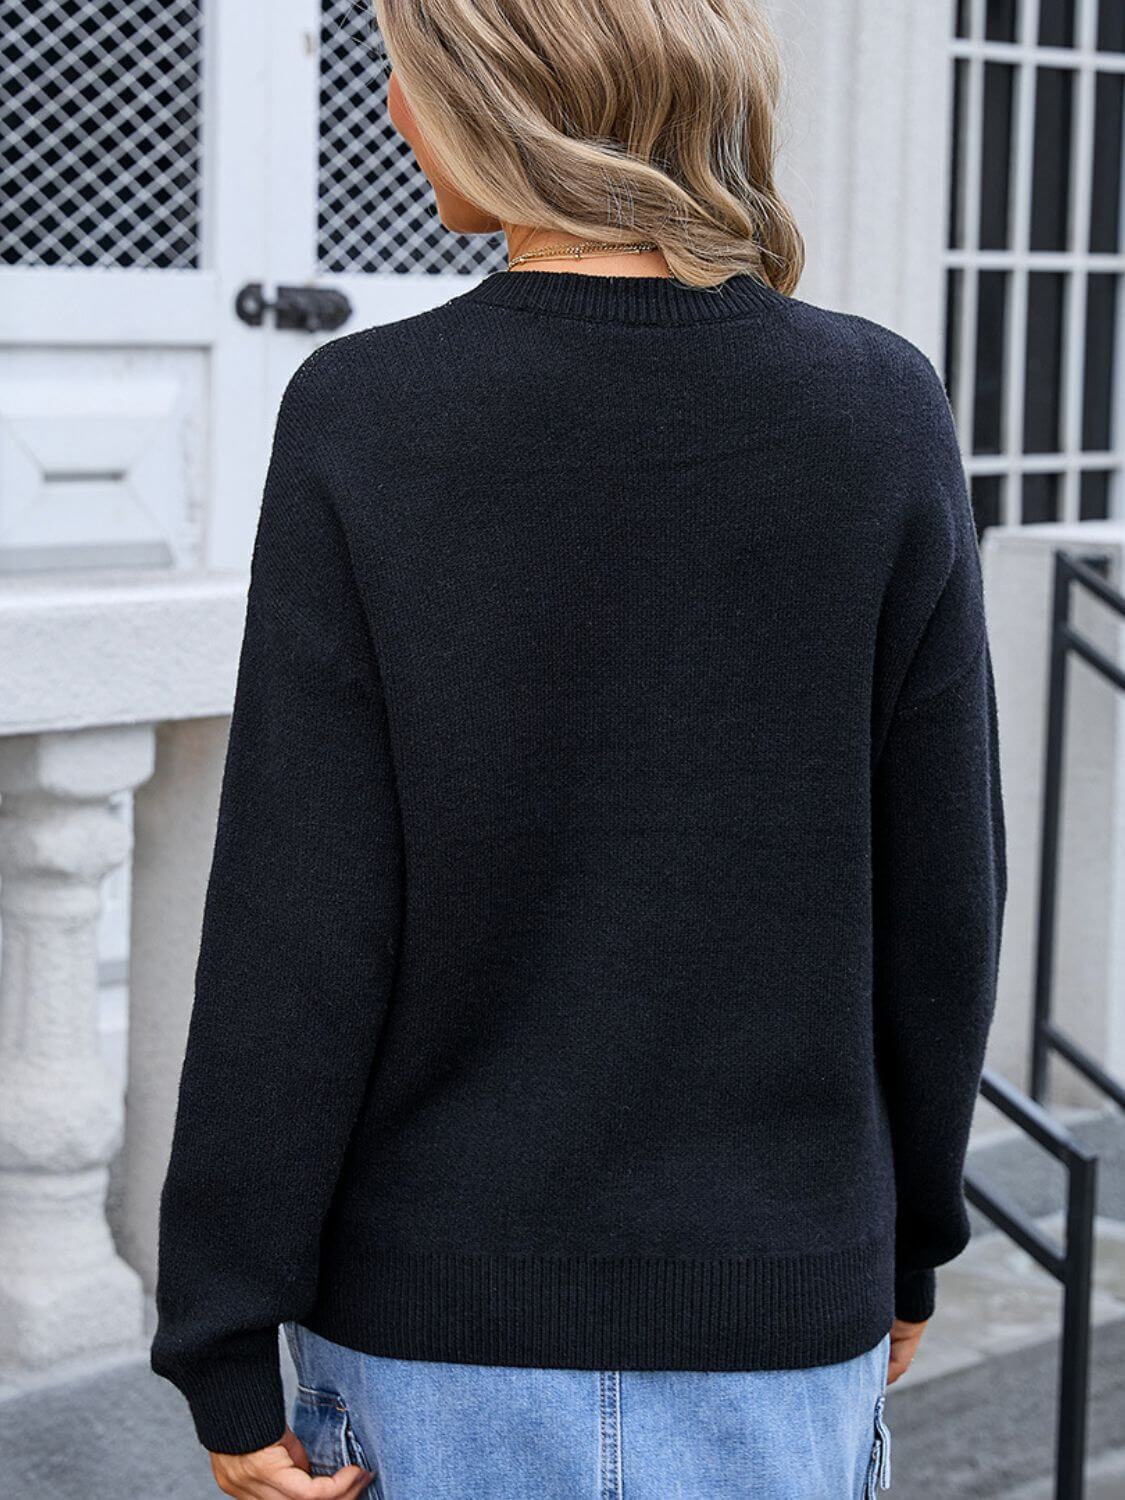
[63,1289]
[174,816]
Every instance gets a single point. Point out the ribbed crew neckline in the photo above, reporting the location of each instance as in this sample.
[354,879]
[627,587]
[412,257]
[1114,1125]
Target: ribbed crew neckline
[654,300]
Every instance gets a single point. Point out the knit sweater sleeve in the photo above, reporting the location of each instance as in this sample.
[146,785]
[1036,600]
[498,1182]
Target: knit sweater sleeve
[296,962]
[939,893]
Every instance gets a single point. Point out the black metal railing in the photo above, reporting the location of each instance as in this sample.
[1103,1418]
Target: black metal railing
[1071,1264]
[1046,1036]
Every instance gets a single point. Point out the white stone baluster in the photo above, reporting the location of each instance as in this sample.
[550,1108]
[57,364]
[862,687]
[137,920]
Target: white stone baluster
[63,1289]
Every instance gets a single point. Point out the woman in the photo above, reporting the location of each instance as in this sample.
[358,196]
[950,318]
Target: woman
[601,936]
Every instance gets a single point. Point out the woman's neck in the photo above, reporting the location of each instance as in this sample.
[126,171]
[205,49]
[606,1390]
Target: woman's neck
[522,239]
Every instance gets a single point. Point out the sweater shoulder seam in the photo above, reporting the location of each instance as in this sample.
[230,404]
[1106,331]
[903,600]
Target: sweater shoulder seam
[927,700]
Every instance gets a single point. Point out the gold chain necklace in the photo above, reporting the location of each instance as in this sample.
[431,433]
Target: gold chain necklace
[583,248]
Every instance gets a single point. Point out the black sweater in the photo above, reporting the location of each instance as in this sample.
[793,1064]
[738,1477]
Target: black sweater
[602,929]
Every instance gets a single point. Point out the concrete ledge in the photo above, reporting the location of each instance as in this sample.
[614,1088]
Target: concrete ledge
[78,650]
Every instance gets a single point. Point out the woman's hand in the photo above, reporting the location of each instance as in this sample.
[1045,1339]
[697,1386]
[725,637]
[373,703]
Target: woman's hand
[281,1472]
[905,1338]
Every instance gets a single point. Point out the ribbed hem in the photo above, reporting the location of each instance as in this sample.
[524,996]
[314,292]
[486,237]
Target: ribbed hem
[576,1312]
[915,1294]
[654,300]
[237,1404]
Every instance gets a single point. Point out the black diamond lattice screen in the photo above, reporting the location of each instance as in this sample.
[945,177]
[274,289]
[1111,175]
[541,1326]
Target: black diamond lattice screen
[376,210]
[99,132]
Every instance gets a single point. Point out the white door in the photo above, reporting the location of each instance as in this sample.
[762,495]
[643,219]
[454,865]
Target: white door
[131,201]
[349,211]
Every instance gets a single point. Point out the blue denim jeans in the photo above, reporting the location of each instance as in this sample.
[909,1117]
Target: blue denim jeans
[433,1431]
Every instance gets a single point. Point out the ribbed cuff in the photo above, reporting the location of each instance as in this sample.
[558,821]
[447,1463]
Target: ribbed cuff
[914,1296]
[237,1403]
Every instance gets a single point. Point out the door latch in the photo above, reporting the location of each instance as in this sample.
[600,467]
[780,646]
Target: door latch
[311,309]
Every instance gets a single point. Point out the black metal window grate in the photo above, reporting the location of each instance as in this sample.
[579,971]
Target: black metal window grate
[376,209]
[100,133]
[1036,256]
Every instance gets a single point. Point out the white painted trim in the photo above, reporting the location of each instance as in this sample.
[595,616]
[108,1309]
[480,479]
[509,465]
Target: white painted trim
[1027,54]
[1037,260]
[64,306]
[1015,357]
[1040,463]
[292,141]
[1081,176]
[236,193]
[971,132]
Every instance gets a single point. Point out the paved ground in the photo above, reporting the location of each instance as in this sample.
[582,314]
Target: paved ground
[1105,1480]
[995,1300]
[976,1416]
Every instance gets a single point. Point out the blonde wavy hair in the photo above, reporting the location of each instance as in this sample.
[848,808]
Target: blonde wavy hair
[608,119]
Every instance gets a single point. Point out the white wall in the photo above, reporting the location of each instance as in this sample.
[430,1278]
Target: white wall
[865,148]
[1089,977]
